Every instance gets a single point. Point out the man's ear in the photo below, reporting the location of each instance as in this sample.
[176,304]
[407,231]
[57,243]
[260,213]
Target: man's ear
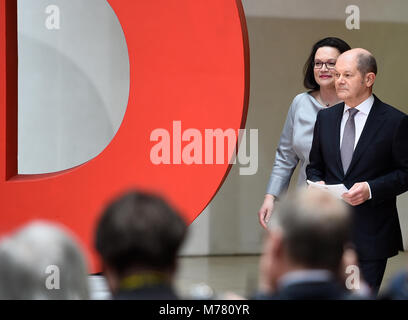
[370,79]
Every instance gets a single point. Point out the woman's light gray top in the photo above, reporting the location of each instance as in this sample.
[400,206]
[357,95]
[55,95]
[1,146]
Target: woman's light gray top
[294,144]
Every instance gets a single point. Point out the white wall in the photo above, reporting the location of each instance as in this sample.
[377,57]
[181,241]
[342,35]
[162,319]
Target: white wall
[281,33]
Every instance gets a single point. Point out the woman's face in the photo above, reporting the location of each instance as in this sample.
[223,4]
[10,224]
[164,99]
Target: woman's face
[323,75]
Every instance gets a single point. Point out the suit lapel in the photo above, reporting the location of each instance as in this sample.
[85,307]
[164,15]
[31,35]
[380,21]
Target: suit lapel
[371,128]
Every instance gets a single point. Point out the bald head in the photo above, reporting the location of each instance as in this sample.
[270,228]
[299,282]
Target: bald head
[365,61]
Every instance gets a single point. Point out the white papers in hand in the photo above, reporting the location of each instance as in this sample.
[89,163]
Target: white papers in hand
[335,189]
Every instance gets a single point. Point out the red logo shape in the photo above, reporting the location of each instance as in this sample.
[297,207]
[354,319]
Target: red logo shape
[189,62]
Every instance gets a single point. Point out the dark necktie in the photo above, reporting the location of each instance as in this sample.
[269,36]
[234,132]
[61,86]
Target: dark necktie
[349,137]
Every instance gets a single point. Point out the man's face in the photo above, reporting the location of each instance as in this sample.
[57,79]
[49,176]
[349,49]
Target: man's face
[350,84]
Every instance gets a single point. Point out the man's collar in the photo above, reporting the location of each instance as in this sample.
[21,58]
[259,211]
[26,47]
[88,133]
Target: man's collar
[363,107]
[317,275]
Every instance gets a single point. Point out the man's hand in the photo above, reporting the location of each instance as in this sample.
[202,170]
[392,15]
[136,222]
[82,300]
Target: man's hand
[265,212]
[358,194]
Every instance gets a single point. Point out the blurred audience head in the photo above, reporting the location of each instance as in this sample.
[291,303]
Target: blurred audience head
[309,231]
[139,233]
[42,261]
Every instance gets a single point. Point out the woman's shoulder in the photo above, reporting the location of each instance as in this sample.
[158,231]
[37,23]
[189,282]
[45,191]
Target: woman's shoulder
[301,99]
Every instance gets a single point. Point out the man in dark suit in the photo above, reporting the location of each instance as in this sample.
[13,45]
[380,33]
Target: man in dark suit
[304,253]
[138,238]
[363,144]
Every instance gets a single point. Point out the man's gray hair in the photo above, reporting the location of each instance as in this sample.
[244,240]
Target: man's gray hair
[316,228]
[34,254]
[366,63]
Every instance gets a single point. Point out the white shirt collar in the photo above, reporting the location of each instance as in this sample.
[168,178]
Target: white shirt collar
[363,107]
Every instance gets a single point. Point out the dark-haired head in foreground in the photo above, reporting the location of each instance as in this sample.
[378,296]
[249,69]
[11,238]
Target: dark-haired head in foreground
[138,238]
